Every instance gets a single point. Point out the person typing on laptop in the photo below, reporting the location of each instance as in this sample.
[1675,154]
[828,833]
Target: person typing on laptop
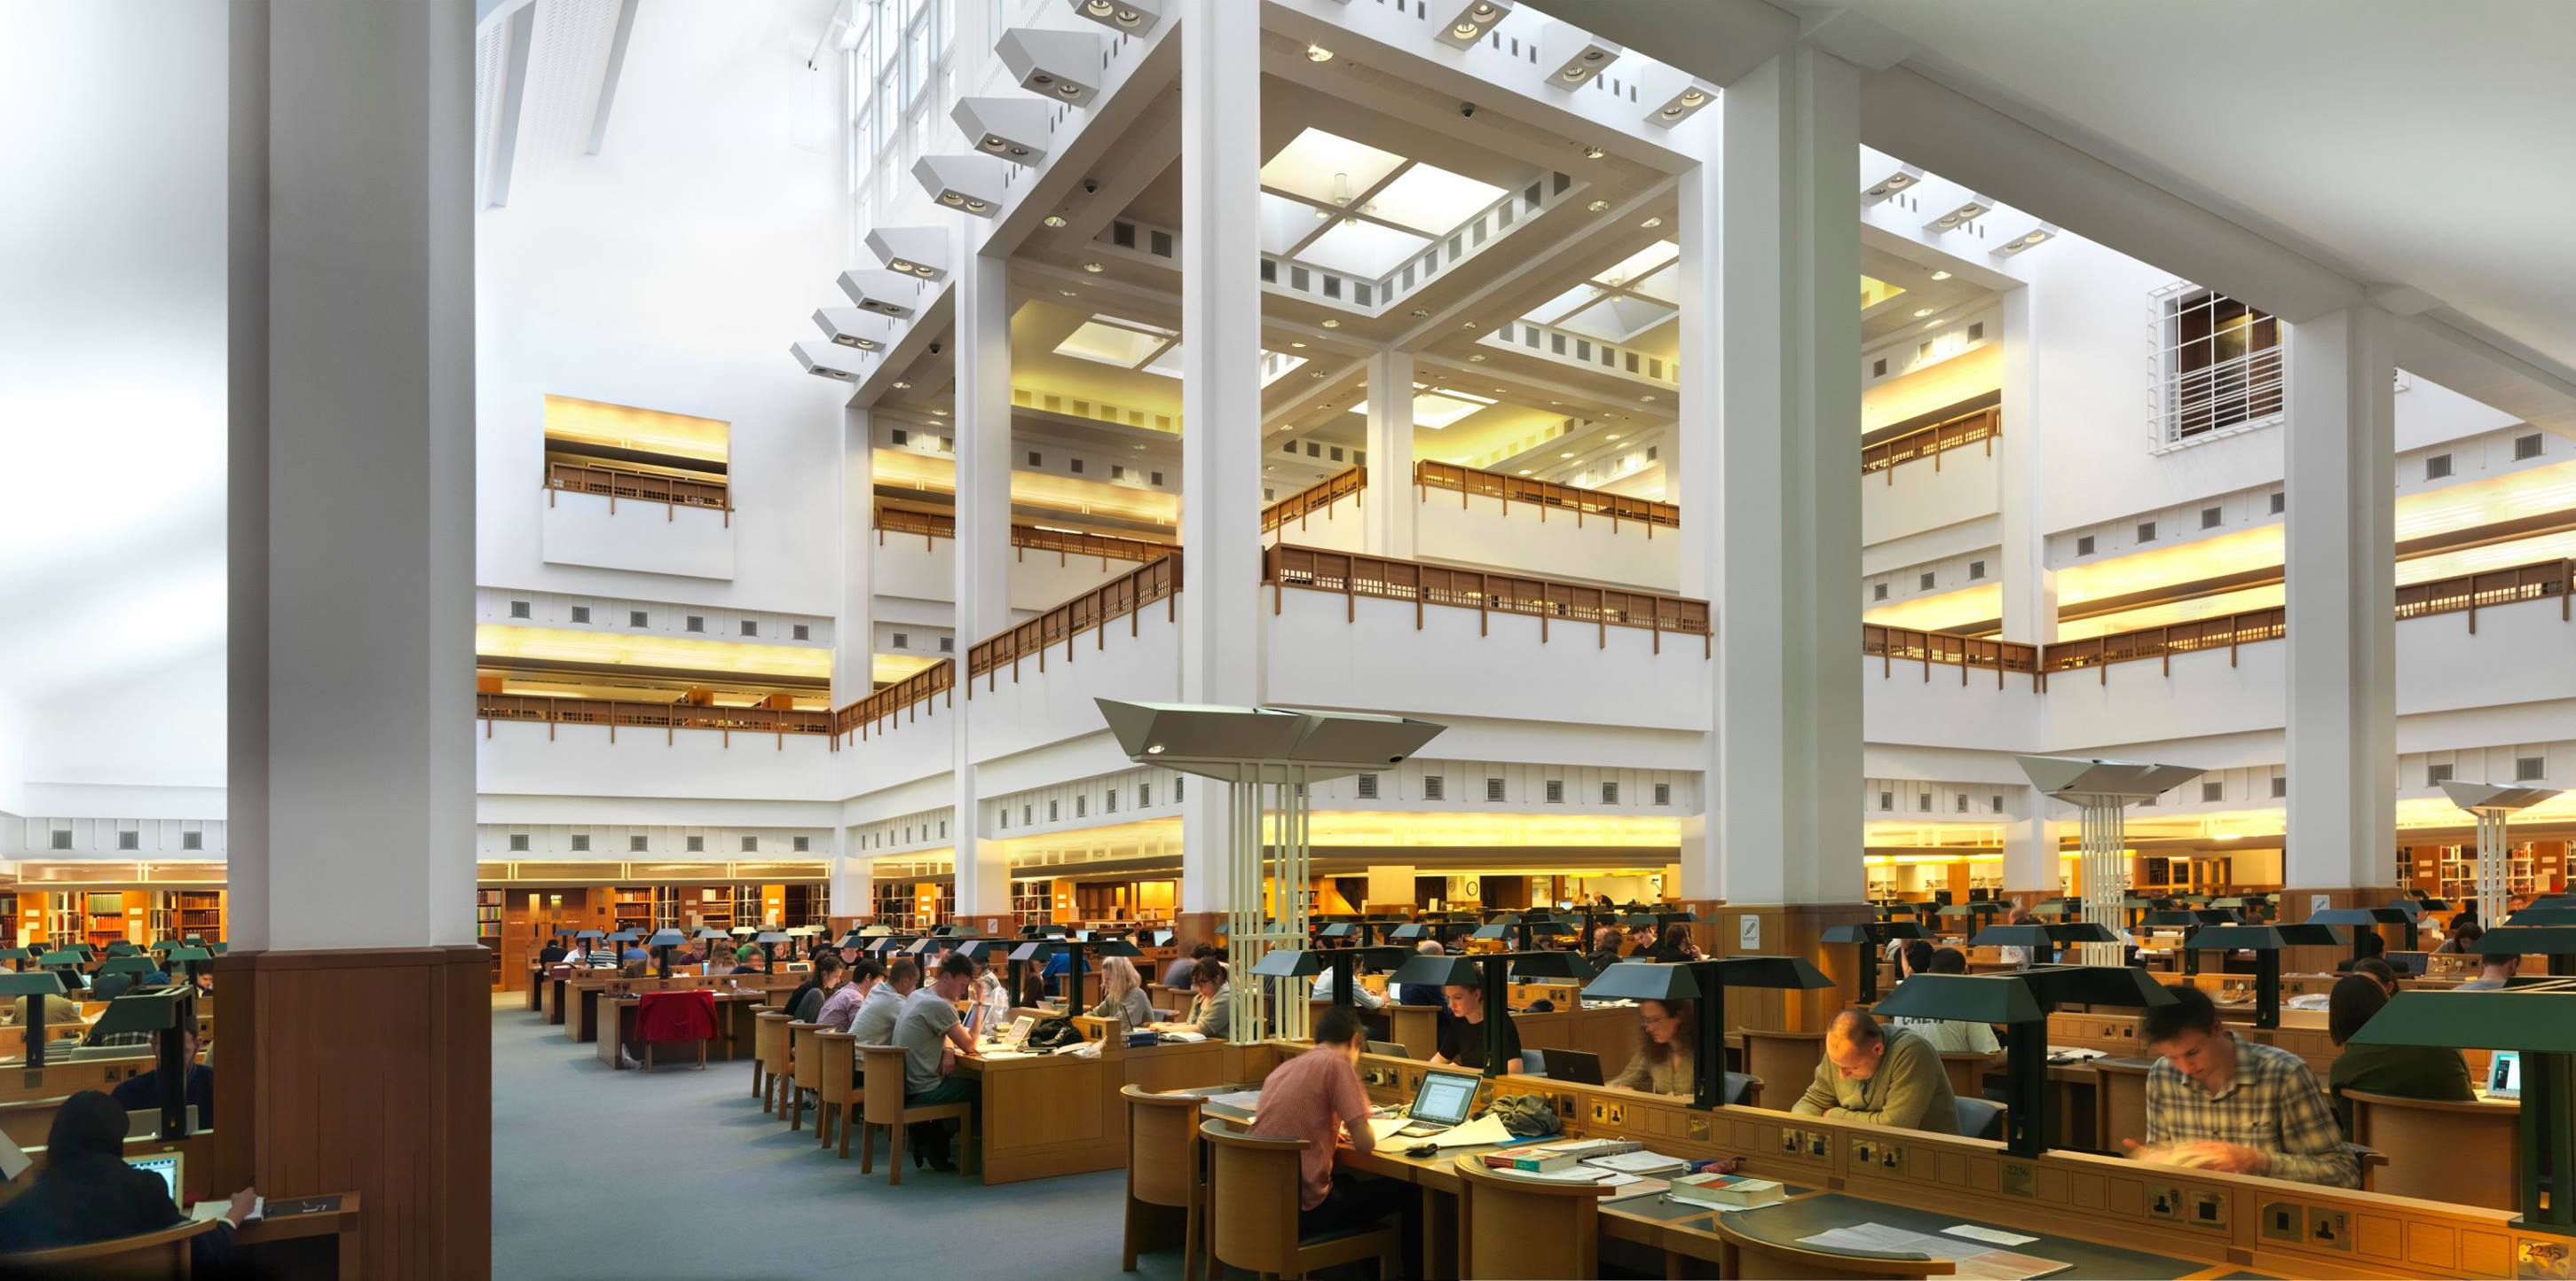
[87,1193]
[1316,1096]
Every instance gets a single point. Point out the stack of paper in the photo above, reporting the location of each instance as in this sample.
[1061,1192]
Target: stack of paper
[1641,1163]
[1484,1129]
[1244,1099]
[1978,1265]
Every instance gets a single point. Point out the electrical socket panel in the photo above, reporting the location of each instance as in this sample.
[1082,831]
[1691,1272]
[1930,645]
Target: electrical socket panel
[2208,1210]
[1607,1113]
[1891,1157]
[1819,1143]
[2164,1201]
[1863,1152]
[2282,1221]
[2327,1229]
[1790,1141]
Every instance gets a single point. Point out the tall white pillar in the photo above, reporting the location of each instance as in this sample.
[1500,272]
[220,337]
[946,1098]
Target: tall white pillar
[1784,533]
[2029,585]
[1387,504]
[854,883]
[1221,630]
[854,627]
[2341,537]
[1691,476]
[2031,861]
[983,436]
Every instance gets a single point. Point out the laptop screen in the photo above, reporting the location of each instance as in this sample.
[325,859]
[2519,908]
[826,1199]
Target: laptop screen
[1445,1098]
[2504,1075]
[164,1164]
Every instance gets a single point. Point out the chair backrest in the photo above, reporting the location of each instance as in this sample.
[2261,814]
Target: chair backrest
[2463,1153]
[1967,1071]
[1533,1063]
[1162,1145]
[153,1256]
[1785,1060]
[2119,1103]
[1520,1228]
[1744,1089]
[836,1057]
[769,1041]
[1980,1118]
[801,1056]
[1750,1258]
[1252,1198]
[881,1071]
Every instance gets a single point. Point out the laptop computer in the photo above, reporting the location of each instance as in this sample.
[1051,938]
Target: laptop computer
[146,1123]
[1389,1048]
[165,1164]
[2504,1075]
[2409,963]
[1442,1103]
[1579,1066]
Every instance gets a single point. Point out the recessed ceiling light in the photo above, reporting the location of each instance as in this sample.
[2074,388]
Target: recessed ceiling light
[1498,391]
[1095,268]
[1592,153]
[1055,220]
[1477,356]
[1418,313]
[901,385]
[1612,436]
[939,413]
[1297,344]
[1332,324]
[1598,205]
[1469,325]
[1318,53]
[1934,325]
[1525,471]
[1645,400]
[1567,454]
[1069,293]
[1318,375]
[1921,312]
[1652,223]
[1940,275]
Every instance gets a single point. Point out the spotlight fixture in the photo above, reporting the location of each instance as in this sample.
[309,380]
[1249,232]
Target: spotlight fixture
[920,252]
[1476,357]
[1598,206]
[1318,53]
[1332,324]
[1297,344]
[1095,268]
[1679,97]
[1903,180]
[823,360]
[1525,471]
[970,183]
[2039,235]
[1573,55]
[1054,220]
[1013,128]
[1940,275]
[1567,454]
[1651,223]
[1134,17]
[1474,22]
[886,293]
[1646,400]
[1054,64]
[901,385]
[1921,312]
[1593,153]
[851,327]
[1976,207]
[1068,293]
[1418,313]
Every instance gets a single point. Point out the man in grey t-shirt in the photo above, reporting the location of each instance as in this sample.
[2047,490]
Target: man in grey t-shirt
[932,1038]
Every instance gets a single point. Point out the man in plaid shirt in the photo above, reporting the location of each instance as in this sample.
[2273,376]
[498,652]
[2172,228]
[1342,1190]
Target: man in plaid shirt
[2218,1102]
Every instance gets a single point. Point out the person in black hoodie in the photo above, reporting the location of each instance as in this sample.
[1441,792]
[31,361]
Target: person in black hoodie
[144,1091]
[87,1194]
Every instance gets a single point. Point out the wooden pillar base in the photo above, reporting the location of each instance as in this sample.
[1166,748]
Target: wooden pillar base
[366,1071]
[2297,903]
[1795,929]
[1189,929]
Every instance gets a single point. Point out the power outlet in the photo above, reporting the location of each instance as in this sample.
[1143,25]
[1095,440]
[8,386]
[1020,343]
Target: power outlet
[1863,1151]
[1891,1157]
[2281,1221]
[2208,1210]
[1788,1141]
[2326,1229]
[1818,1144]
[1565,1107]
[2164,1201]
[1607,1113]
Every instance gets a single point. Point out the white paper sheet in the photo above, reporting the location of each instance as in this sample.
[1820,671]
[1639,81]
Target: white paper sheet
[1992,1236]
[1484,1129]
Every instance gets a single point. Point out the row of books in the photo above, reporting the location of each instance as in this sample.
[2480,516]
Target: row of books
[1624,1161]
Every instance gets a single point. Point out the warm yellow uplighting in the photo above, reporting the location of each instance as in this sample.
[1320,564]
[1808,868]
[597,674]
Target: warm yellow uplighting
[1941,610]
[1874,291]
[598,422]
[936,474]
[2190,562]
[650,649]
[1933,387]
[886,669]
[1594,831]
[2180,611]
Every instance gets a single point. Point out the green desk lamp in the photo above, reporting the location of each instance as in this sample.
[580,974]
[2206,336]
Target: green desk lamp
[1705,983]
[35,986]
[2021,1001]
[2537,1020]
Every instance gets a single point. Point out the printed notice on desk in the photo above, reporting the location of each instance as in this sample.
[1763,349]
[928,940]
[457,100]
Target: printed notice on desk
[1991,1236]
[1984,1265]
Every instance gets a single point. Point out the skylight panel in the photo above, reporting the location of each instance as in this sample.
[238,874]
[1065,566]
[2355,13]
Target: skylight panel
[1546,313]
[1110,344]
[1362,249]
[1277,365]
[1660,254]
[1327,168]
[1284,222]
[1661,285]
[1617,318]
[1432,200]
[1437,409]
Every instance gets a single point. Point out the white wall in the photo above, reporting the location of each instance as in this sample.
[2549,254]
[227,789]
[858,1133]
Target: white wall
[1902,704]
[1967,486]
[1484,533]
[671,271]
[912,568]
[579,760]
[1038,708]
[605,532]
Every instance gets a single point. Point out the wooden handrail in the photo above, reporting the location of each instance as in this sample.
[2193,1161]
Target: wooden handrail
[1123,596]
[1890,645]
[675,491]
[1314,498]
[1546,494]
[1485,592]
[881,710]
[1931,442]
[903,520]
[616,713]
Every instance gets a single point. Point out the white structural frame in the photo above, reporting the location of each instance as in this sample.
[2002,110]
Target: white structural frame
[2492,804]
[2102,790]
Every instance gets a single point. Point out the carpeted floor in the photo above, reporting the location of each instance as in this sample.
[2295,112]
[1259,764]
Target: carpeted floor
[624,1176]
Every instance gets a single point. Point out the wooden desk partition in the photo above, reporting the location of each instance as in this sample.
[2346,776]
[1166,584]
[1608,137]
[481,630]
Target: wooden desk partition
[1051,1114]
[2467,1153]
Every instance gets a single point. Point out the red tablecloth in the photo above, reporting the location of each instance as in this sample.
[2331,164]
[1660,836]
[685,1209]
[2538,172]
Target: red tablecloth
[676,1016]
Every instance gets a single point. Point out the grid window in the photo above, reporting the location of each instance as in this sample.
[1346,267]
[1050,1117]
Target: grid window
[518,609]
[1035,460]
[751,845]
[1886,801]
[1878,591]
[2221,365]
[804,844]
[1976,571]
[518,843]
[1368,787]
[581,613]
[637,618]
[1493,789]
[1960,803]
[2084,545]
[192,840]
[2529,768]
[2146,531]
[2436,775]
[2209,517]
[1109,801]
[1995,803]
[2280,786]
[1082,805]
[580,844]
[1556,791]
[1923,803]
[635,845]
[750,628]
[1028,815]
[697,845]
[1663,793]
[2213,791]
[903,640]
[800,632]
[1054,811]
[947,644]
[1434,788]
[2437,467]
[1609,793]
[2526,447]
[129,840]
[2280,502]
[1924,582]
[696,623]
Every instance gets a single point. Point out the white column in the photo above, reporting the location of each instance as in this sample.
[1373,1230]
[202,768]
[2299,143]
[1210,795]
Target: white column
[1221,624]
[1388,501]
[854,628]
[2030,851]
[2341,536]
[854,882]
[1785,531]
[983,436]
[2030,586]
[351,486]
[1691,474]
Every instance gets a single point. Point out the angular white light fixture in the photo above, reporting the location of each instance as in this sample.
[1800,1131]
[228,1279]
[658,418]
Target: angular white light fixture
[823,360]
[851,327]
[1676,97]
[971,183]
[1572,55]
[1475,21]
[884,292]
[2036,236]
[1062,66]
[1134,17]
[1903,180]
[1976,207]
[1013,128]
[921,252]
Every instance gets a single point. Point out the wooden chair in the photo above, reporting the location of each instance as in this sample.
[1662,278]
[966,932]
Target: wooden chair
[836,1097]
[804,1072]
[1750,1258]
[1742,1089]
[156,1256]
[1786,1061]
[1523,1230]
[2119,1103]
[768,1055]
[1979,1118]
[1252,1211]
[881,1104]
[1967,1071]
[2463,1153]
[1162,1168]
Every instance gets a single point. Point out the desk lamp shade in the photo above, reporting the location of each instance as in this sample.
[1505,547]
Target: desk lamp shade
[1437,971]
[64,956]
[184,953]
[2553,900]
[853,939]
[987,951]
[2527,916]
[926,946]
[941,930]
[2528,940]
[588,934]
[1968,998]
[1033,951]
[2169,918]
[122,947]
[770,936]
[1642,981]
[1499,927]
[667,938]
[16,954]
[2043,935]
[1339,930]
[218,948]
[2056,906]
[2538,1018]
[1849,934]
[624,936]
[1286,963]
[2264,938]
[31,983]
[889,945]
[1410,931]
[1551,965]
[1112,947]
[154,1010]
[743,930]
[711,932]
[127,965]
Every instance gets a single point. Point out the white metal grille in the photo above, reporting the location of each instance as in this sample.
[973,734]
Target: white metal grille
[2218,365]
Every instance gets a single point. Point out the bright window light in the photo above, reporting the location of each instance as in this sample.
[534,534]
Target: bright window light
[1432,200]
[1327,168]
[1618,318]
[1276,365]
[1362,248]
[1437,409]
[1113,344]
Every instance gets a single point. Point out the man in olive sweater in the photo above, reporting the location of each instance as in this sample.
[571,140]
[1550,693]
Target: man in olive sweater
[1883,1076]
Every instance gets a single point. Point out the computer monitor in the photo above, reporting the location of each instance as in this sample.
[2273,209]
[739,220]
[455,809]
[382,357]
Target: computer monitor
[164,1164]
[1445,1098]
[2407,963]
[145,1124]
[2504,1075]
[1582,1067]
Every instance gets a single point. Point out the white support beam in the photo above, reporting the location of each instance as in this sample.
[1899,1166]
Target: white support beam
[1387,509]
[983,547]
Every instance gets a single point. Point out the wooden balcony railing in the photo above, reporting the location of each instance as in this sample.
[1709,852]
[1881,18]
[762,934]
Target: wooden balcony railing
[1063,542]
[667,717]
[1891,644]
[1974,427]
[1319,496]
[671,491]
[1091,611]
[886,710]
[1486,593]
[1547,495]
[2469,593]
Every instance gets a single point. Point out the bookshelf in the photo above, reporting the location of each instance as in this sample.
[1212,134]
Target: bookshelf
[894,906]
[746,905]
[1035,903]
[487,928]
[630,907]
[2451,871]
[9,918]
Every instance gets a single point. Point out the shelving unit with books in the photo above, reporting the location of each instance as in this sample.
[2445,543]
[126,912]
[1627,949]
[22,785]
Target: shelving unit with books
[487,928]
[631,907]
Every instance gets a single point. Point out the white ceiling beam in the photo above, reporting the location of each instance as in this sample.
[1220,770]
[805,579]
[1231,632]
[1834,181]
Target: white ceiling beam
[2445,349]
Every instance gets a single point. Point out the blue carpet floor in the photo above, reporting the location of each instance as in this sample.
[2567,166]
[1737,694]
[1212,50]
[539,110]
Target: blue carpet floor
[624,1176]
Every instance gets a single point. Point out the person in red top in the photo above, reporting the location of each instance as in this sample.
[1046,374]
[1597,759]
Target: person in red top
[1316,1096]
